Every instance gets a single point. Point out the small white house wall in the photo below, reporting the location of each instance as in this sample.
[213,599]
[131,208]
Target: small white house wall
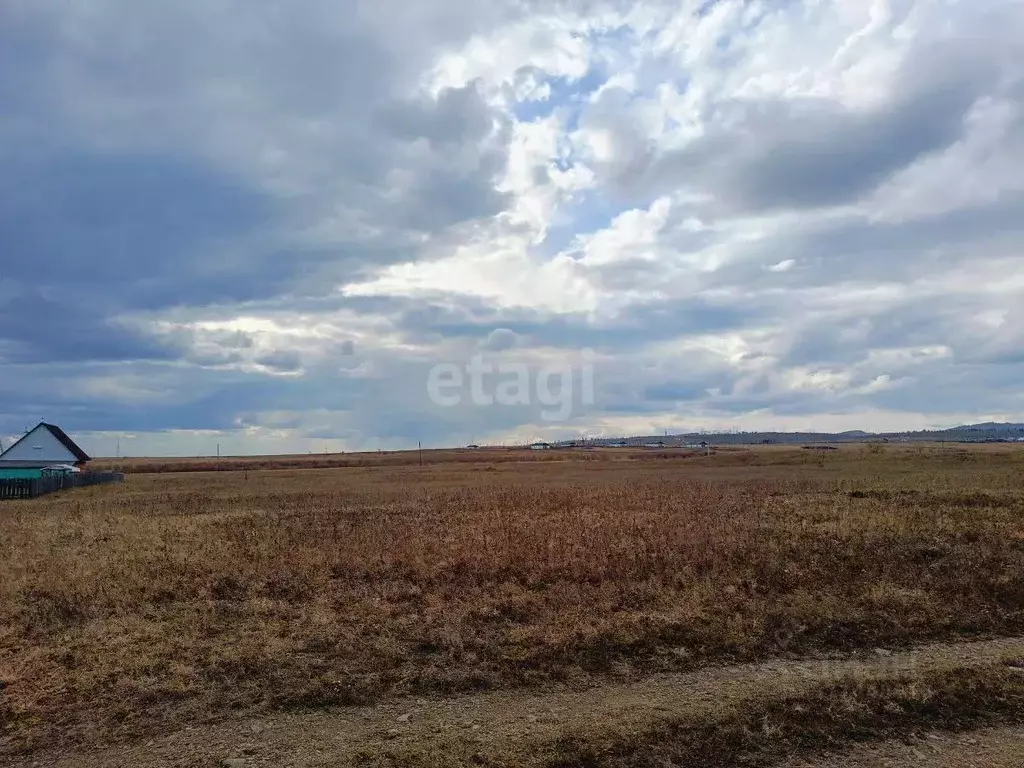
[39,445]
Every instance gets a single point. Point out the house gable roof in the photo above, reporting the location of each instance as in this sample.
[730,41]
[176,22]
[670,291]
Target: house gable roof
[59,434]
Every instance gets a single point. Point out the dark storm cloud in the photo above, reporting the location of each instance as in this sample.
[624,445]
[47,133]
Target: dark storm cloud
[118,194]
[457,116]
[759,155]
[811,153]
[283,361]
[674,391]
[87,237]
[425,320]
[858,248]
[122,231]
[500,340]
[36,329]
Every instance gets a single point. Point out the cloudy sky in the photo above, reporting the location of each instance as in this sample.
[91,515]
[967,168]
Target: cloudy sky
[263,223]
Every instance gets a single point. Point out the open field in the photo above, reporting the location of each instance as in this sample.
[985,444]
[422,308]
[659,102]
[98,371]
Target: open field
[762,455]
[187,597]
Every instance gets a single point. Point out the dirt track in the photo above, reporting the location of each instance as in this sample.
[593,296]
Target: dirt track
[518,722]
[991,748]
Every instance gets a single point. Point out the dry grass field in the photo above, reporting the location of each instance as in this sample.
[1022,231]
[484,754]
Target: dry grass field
[188,596]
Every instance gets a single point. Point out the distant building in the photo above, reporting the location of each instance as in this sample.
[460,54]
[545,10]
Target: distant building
[46,448]
[540,446]
[658,444]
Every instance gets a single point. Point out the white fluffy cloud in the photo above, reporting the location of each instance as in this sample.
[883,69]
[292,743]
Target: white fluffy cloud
[270,222]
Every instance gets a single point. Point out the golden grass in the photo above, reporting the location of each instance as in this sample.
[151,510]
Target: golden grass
[126,610]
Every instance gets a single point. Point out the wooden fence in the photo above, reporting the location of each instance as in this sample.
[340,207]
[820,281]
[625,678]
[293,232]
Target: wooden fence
[30,488]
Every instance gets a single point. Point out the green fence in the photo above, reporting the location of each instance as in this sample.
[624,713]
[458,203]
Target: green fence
[24,488]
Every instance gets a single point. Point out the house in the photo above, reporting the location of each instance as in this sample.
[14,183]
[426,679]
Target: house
[540,446]
[44,449]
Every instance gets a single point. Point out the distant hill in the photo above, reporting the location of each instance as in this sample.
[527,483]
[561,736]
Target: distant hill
[987,431]
[993,426]
[967,433]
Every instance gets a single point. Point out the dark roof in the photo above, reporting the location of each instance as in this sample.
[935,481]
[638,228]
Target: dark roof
[68,443]
[62,436]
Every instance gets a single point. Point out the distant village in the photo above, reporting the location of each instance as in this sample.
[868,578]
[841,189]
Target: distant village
[975,433]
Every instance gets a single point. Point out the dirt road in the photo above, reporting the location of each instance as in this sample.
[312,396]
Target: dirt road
[520,722]
[991,748]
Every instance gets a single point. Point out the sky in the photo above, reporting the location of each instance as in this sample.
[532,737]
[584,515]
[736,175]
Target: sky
[280,226]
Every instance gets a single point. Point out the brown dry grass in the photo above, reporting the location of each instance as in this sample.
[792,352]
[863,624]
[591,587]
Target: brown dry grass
[126,610]
[329,460]
[763,731]
[762,734]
